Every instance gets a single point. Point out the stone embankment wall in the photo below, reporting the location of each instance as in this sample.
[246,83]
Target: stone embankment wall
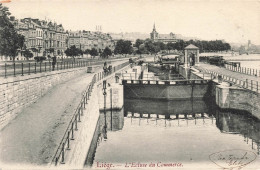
[16,93]
[237,98]
[226,96]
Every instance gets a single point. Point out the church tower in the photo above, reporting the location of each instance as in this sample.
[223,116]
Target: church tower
[154,34]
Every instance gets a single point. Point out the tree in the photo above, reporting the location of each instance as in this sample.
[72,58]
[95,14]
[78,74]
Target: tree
[21,44]
[27,54]
[138,42]
[142,49]
[11,41]
[107,52]
[123,47]
[87,51]
[73,51]
[93,52]
[35,50]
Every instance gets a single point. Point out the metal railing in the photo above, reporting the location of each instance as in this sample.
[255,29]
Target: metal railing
[166,82]
[244,70]
[68,137]
[247,84]
[21,69]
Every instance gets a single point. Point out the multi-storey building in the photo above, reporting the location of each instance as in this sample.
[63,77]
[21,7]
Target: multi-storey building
[43,38]
[88,40]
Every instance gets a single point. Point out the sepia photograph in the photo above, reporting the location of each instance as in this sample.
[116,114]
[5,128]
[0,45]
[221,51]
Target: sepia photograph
[130,84]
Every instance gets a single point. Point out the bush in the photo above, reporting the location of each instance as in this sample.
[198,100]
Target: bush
[41,58]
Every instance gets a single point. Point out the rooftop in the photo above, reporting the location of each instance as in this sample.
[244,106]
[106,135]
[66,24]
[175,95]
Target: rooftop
[191,46]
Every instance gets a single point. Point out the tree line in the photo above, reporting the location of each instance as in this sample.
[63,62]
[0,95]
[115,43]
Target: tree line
[148,46]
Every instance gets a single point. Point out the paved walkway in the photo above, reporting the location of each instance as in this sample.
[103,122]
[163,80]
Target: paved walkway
[33,136]
[223,71]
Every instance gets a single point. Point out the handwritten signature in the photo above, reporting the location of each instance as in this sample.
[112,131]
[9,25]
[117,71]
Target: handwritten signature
[230,159]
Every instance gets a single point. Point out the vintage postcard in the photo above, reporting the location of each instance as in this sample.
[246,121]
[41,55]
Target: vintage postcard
[130,84]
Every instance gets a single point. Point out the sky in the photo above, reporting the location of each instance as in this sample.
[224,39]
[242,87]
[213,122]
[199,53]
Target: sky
[233,21]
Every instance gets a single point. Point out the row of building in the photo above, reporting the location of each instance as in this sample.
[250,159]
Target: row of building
[46,38]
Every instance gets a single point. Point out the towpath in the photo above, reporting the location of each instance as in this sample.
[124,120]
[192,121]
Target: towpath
[226,72]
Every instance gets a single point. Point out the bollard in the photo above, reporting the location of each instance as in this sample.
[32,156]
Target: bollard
[68,138]
[22,69]
[252,85]
[44,66]
[62,154]
[40,67]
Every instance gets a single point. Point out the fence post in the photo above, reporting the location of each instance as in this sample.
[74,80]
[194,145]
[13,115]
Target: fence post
[68,138]
[76,123]
[34,68]
[62,154]
[79,114]
[252,85]
[257,86]
[44,66]
[84,101]
[40,67]
[246,83]
[22,69]
[14,69]
[5,70]
[72,131]
[29,68]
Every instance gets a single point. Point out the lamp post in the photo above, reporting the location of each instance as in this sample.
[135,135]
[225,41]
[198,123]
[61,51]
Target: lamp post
[105,94]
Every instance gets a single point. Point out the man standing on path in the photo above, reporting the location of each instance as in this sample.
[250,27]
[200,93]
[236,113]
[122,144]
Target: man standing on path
[54,59]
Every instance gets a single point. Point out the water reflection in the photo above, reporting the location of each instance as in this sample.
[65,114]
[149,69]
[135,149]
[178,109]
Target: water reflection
[171,130]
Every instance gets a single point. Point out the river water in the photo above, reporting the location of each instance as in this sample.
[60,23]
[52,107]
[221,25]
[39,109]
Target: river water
[149,134]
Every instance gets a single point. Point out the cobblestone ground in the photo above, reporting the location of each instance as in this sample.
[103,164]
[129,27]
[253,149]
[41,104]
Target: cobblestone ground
[33,136]
[226,72]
